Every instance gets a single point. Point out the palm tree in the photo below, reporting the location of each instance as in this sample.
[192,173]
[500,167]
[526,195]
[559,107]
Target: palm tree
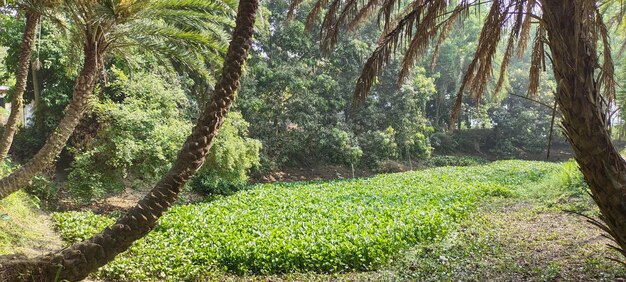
[579,53]
[21,76]
[77,261]
[187,33]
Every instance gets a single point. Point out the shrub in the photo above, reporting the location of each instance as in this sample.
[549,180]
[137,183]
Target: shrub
[379,147]
[79,226]
[339,147]
[141,136]
[443,143]
[229,160]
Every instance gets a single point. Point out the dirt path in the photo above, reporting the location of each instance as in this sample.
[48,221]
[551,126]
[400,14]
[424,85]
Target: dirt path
[516,240]
[47,239]
[554,245]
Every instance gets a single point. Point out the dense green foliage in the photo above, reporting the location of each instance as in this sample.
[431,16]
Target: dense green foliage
[229,160]
[140,136]
[298,101]
[144,123]
[331,226]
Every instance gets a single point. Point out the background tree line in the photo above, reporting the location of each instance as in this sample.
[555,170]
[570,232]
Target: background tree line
[294,109]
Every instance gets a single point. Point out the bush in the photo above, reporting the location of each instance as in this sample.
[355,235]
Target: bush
[379,147]
[339,147]
[26,143]
[229,160]
[141,136]
[45,190]
[519,129]
[334,226]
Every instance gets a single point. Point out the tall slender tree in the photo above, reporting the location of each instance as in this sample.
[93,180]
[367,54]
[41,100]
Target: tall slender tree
[579,47]
[186,33]
[77,261]
[21,76]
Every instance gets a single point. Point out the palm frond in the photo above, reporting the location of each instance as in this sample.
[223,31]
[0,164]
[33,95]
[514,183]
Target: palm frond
[480,69]
[393,38]
[426,30]
[312,17]
[508,52]
[537,62]
[459,13]
[525,32]
[363,13]
[330,27]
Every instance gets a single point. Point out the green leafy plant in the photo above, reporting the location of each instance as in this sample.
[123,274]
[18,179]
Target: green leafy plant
[229,160]
[455,161]
[333,226]
[140,136]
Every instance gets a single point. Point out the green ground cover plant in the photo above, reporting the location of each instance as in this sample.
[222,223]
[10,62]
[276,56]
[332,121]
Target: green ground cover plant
[328,227]
[437,161]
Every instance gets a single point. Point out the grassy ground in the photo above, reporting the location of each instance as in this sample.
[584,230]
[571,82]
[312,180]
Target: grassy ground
[23,228]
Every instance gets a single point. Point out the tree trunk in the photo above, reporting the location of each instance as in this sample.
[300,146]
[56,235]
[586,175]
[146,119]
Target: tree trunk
[567,23]
[551,130]
[17,101]
[34,68]
[80,259]
[56,141]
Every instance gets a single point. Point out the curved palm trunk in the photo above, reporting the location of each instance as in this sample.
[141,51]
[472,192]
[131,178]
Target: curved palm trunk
[17,101]
[80,259]
[574,62]
[83,89]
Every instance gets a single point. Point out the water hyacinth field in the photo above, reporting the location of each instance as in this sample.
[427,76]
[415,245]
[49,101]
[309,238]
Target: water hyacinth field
[299,227]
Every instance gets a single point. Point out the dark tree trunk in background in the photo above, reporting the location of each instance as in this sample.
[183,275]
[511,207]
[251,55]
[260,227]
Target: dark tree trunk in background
[21,77]
[77,261]
[574,63]
[551,134]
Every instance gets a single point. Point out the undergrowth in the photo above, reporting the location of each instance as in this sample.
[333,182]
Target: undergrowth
[18,222]
[17,211]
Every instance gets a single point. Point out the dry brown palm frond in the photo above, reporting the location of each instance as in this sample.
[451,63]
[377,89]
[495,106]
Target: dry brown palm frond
[368,75]
[386,15]
[515,32]
[537,62]
[480,69]
[426,30]
[330,26]
[362,14]
[459,13]
[495,22]
[506,58]
[386,47]
[525,32]
[317,8]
